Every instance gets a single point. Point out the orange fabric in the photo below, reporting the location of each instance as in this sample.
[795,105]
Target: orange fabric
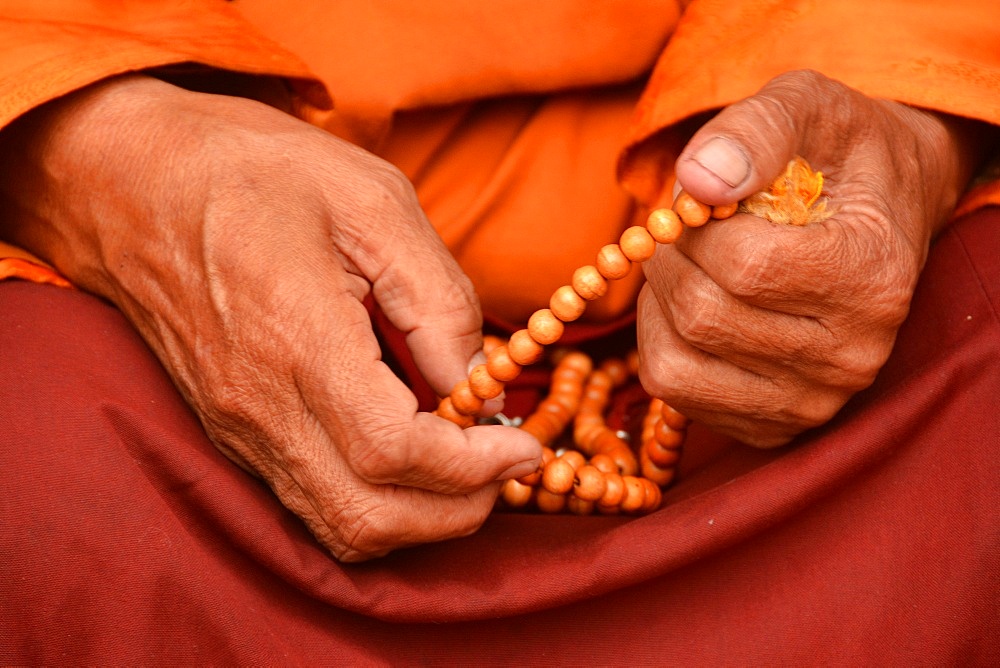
[932,54]
[510,116]
[52,47]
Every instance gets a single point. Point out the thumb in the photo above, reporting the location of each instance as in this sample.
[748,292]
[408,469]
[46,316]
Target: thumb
[743,148]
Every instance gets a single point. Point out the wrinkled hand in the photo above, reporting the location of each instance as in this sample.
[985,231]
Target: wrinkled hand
[762,331]
[241,243]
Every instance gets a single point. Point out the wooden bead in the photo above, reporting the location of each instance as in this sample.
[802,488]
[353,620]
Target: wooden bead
[557,477]
[544,327]
[616,370]
[650,471]
[635,494]
[625,460]
[632,362]
[661,456]
[723,211]
[589,283]
[501,366]
[612,263]
[566,304]
[447,411]
[491,341]
[653,497]
[515,494]
[484,385]
[578,506]
[603,463]
[614,490]
[666,436]
[523,349]
[664,226]
[464,400]
[549,502]
[691,211]
[577,361]
[589,483]
[574,458]
[674,418]
[637,244]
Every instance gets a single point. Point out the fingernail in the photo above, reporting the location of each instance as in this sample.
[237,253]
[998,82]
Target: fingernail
[725,160]
[478,358]
[519,470]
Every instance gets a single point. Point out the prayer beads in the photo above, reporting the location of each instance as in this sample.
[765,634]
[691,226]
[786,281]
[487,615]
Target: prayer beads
[603,473]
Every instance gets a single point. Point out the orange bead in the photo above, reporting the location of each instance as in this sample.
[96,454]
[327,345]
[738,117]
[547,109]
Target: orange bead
[577,361]
[664,226]
[614,490]
[616,369]
[482,384]
[574,458]
[603,462]
[673,417]
[557,477]
[589,483]
[661,456]
[612,263]
[523,349]
[534,478]
[635,494]
[625,460]
[515,494]
[666,436]
[447,411]
[691,211]
[723,211]
[501,366]
[650,471]
[637,244]
[464,400]
[653,497]
[578,506]
[600,380]
[608,442]
[544,327]
[491,341]
[549,502]
[566,304]
[632,361]
[589,283]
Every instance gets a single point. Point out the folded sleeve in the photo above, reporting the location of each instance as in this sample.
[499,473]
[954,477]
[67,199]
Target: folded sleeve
[937,55]
[52,47]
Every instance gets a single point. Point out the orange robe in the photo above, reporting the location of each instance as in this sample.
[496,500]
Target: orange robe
[512,117]
[127,538]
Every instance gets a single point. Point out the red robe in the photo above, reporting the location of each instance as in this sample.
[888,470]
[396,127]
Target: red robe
[127,538]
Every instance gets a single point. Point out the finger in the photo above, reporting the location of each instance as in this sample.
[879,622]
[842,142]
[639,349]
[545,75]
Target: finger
[372,416]
[743,148]
[363,521]
[761,340]
[759,410]
[415,280]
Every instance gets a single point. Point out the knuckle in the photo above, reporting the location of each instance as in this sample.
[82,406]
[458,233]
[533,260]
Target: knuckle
[378,457]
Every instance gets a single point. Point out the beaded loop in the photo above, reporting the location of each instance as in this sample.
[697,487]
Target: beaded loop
[603,474]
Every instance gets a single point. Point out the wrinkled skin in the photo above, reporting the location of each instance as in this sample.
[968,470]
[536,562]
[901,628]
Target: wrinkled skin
[761,330]
[240,242]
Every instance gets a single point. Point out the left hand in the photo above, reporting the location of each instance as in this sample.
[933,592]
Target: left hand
[761,331]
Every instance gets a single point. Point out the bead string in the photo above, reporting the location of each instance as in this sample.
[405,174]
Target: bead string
[602,474]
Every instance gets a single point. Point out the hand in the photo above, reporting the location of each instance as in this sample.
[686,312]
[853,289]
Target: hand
[762,331]
[241,243]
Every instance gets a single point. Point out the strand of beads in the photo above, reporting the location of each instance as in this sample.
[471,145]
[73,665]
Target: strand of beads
[612,480]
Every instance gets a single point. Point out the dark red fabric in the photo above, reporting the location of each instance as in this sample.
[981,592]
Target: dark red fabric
[126,538]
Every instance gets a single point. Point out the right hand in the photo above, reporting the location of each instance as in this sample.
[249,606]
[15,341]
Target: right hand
[241,242]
